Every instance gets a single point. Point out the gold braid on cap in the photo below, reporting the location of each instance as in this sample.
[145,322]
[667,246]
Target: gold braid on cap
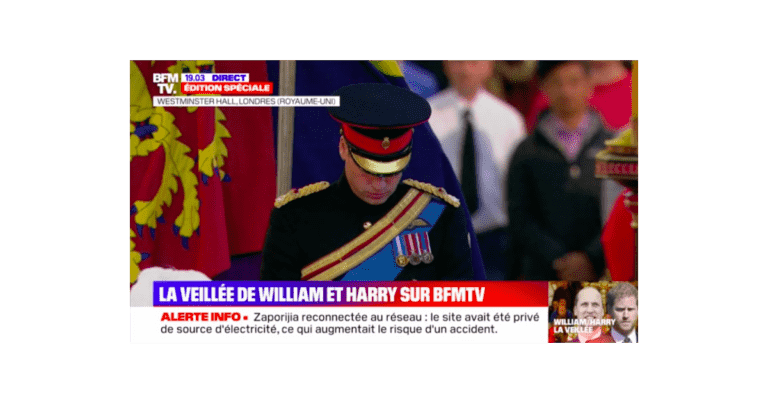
[294,194]
[434,190]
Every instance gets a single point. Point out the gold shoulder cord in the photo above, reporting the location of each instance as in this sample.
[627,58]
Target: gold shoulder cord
[433,190]
[294,194]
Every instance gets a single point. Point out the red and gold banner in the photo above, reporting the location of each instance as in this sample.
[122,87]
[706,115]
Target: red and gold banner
[202,179]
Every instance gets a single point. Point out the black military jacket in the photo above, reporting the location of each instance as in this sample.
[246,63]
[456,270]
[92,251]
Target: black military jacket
[306,229]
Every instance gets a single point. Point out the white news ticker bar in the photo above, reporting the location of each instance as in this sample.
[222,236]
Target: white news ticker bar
[147,326]
[229,101]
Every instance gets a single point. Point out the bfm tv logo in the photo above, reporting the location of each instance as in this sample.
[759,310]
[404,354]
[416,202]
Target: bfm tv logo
[161,78]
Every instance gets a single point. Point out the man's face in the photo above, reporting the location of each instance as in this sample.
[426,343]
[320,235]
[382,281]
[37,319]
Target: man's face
[369,188]
[568,89]
[589,304]
[467,76]
[625,313]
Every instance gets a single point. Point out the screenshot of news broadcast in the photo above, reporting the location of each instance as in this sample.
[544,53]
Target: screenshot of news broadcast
[384,201]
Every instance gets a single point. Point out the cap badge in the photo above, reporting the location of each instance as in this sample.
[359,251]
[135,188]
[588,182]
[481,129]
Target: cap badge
[385,143]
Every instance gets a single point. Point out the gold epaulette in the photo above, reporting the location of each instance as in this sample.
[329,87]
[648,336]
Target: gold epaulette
[434,190]
[294,194]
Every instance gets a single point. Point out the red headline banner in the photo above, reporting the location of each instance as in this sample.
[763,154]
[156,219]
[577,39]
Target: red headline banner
[352,293]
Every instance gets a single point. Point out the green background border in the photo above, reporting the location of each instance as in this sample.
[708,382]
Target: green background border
[73,189]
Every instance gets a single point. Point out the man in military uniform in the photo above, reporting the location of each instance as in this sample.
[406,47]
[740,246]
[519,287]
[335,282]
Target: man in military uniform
[370,225]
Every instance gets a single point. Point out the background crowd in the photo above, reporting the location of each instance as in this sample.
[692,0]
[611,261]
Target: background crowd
[521,137]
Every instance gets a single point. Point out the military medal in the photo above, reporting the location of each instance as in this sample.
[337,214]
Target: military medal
[417,249]
[401,260]
[427,256]
[412,247]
